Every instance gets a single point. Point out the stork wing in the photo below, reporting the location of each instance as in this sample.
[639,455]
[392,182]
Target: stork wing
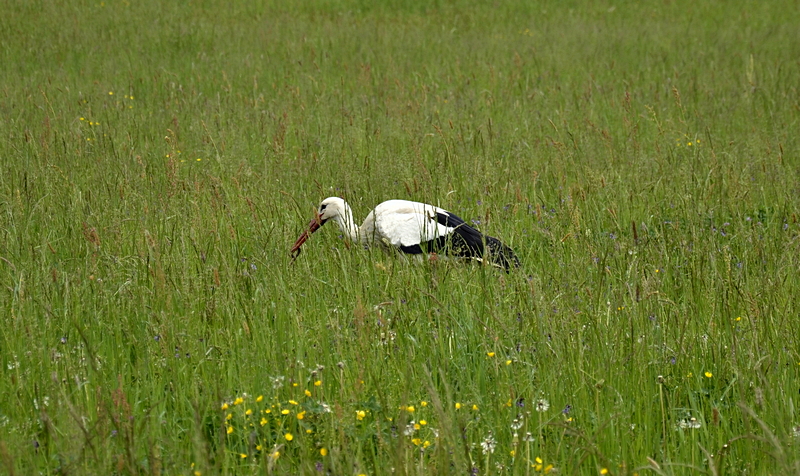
[402,223]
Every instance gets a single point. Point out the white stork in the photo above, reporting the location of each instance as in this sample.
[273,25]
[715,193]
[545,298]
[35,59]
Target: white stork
[412,228]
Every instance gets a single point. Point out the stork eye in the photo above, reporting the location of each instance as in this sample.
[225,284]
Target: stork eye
[322,207]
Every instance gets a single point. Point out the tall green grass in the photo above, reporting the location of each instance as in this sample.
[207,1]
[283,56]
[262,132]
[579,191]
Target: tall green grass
[158,160]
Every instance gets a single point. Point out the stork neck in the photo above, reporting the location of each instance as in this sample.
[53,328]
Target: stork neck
[347,224]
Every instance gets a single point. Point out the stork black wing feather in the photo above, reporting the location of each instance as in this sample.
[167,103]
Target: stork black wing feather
[469,242]
[465,242]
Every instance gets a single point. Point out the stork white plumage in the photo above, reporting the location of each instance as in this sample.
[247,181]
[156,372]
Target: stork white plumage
[412,228]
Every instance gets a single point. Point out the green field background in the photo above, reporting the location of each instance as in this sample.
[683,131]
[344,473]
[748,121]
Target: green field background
[158,159]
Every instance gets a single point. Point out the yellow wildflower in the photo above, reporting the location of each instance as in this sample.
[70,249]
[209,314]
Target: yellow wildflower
[323,452]
[288,436]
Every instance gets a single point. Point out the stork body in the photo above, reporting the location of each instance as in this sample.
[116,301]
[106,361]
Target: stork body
[412,228]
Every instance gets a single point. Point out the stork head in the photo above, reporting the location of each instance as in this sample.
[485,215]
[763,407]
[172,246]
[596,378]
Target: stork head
[332,208]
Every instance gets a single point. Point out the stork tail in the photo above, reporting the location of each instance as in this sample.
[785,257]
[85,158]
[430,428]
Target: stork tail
[501,254]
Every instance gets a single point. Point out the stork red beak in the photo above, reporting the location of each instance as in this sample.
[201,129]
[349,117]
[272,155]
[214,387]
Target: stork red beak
[312,227]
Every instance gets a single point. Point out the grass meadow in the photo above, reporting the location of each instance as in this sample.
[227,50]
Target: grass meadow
[158,159]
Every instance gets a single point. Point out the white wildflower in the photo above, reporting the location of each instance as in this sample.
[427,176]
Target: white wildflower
[489,444]
[277,382]
[689,424]
[516,424]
